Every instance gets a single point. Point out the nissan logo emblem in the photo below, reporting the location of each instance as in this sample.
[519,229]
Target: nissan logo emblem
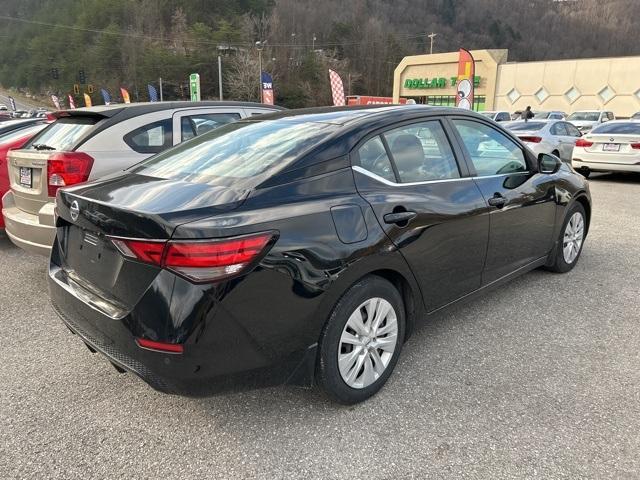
[74,210]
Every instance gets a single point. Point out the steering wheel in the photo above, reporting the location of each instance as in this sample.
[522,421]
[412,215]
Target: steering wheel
[382,164]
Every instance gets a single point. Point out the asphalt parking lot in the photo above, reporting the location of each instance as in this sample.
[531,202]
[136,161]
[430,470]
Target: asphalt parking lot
[539,379]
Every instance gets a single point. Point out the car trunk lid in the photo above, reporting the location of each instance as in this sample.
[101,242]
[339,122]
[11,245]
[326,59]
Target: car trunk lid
[28,167]
[128,206]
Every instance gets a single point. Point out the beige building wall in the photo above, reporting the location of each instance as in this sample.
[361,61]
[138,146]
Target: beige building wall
[570,85]
[446,65]
[565,85]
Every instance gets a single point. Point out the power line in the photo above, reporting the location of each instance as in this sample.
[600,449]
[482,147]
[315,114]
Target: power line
[209,42]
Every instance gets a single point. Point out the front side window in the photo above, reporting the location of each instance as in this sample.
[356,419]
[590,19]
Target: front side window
[152,138]
[421,152]
[491,152]
[194,125]
[373,157]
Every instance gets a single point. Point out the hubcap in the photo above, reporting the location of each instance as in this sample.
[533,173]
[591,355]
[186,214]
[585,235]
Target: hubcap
[573,236]
[367,343]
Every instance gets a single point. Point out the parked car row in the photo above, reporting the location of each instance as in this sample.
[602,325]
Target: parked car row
[204,248]
[89,143]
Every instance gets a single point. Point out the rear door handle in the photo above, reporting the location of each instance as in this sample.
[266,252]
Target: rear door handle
[497,201]
[399,217]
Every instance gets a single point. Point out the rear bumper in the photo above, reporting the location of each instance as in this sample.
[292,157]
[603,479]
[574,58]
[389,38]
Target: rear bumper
[205,368]
[31,232]
[604,166]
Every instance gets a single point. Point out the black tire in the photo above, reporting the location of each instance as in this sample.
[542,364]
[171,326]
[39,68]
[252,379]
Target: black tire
[585,172]
[558,263]
[328,376]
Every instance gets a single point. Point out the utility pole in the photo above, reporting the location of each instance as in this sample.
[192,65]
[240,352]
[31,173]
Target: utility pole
[220,75]
[432,36]
[160,82]
[260,46]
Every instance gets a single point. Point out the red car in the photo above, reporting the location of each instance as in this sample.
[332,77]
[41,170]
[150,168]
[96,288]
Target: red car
[14,139]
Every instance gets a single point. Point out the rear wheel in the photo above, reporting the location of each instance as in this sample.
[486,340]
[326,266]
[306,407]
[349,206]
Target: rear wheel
[571,240]
[361,342]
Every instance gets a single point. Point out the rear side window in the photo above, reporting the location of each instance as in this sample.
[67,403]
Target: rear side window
[491,152]
[194,125]
[152,138]
[626,128]
[559,129]
[504,117]
[572,131]
[63,134]
[421,152]
[373,157]
[236,151]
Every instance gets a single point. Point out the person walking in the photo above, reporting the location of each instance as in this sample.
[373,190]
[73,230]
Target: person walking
[527,114]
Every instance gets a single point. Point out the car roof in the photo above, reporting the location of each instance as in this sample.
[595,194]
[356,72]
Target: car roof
[359,114]
[140,108]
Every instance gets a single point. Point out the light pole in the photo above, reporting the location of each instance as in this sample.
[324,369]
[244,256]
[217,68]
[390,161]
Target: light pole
[260,47]
[432,36]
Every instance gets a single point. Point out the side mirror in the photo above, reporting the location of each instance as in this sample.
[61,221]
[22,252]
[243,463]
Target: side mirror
[548,163]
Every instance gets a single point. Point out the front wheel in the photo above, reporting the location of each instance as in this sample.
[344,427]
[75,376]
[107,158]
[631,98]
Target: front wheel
[571,240]
[361,342]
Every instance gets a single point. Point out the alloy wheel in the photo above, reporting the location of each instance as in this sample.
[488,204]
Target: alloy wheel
[367,343]
[573,237]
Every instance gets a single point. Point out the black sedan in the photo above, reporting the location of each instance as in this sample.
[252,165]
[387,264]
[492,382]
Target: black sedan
[303,246]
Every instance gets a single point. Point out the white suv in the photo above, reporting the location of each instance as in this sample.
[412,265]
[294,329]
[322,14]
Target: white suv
[89,143]
[585,120]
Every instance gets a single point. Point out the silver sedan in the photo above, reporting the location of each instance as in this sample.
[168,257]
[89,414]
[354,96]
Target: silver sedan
[547,136]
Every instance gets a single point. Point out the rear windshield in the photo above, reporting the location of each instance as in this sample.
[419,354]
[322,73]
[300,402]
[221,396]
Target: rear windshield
[14,135]
[627,128]
[488,114]
[63,134]
[541,114]
[588,116]
[525,126]
[236,150]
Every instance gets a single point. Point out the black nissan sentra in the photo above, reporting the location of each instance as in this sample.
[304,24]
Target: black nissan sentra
[303,247]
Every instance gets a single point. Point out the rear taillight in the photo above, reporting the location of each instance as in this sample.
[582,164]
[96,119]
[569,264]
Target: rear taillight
[163,347]
[67,168]
[201,260]
[581,142]
[635,146]
[531,139]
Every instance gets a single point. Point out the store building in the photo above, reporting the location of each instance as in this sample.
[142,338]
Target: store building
[566,85]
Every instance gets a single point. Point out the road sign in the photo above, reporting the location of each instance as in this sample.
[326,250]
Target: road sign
[90,88]
[76,89]
[194,87]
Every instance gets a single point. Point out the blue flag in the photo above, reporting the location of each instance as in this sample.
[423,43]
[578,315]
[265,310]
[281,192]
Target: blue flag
[105,96]
[153,93]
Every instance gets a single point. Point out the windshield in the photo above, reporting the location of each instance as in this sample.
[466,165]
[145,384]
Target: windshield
[237,150]
[541,114]
[63,134]
[488,114]
[528,126]
[21,133]
[626,128]
[588,116]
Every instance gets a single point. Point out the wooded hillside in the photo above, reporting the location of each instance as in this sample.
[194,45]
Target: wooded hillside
[134,42]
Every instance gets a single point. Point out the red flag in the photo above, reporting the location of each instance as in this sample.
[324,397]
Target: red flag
[466,72]
[72,104]
[125,95]
[337,89]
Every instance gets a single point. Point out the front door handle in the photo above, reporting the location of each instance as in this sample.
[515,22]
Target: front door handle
[497,201]
[400,218]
